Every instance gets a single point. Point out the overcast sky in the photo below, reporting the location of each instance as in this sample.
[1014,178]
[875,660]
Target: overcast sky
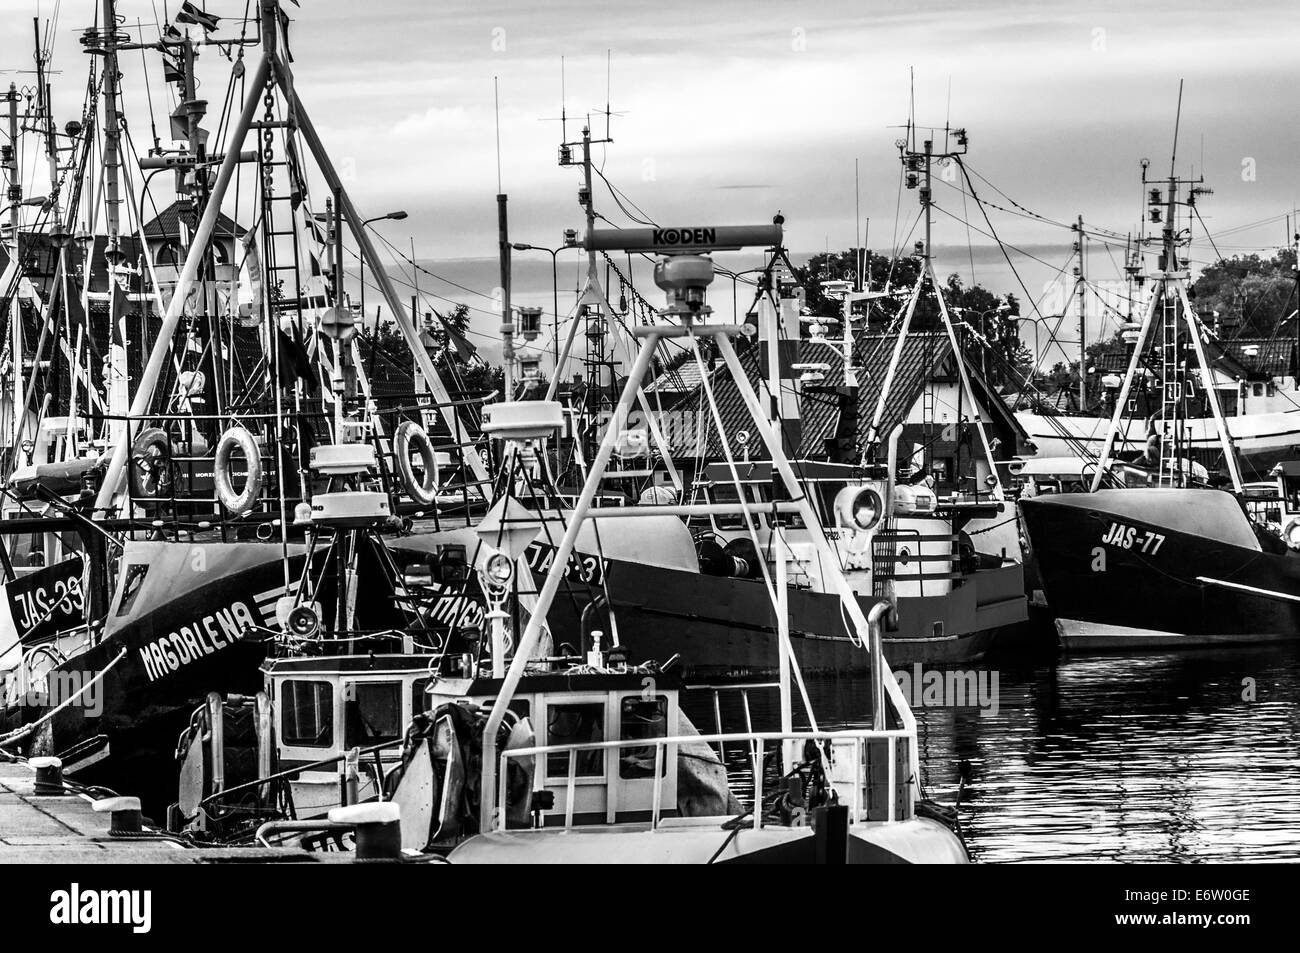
[730,110]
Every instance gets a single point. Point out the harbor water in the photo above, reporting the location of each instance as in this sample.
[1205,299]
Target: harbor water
[1171,757]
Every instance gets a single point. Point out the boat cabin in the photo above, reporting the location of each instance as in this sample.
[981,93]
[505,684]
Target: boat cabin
[589,785]
[323,708]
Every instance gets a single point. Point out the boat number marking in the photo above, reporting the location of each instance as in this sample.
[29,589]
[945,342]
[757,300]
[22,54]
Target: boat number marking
[1124,536]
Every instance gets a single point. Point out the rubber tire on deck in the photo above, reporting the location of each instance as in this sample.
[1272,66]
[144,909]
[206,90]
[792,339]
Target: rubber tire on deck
[152,449]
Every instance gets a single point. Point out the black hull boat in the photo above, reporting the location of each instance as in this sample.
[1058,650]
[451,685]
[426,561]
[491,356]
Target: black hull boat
[186,617]
[1158,568]
[725,627]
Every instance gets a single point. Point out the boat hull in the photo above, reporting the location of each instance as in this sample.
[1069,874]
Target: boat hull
[726,627]
[1131,570]
[708,841]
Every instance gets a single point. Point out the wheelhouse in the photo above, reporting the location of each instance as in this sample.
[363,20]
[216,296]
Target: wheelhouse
[338,716]
[583,783]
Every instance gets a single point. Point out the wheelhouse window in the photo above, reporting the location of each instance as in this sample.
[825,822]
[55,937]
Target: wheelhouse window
[726,493]
[419,700]
[133,579]
[373,715]
[307,714]
[580,723]
[642,718]
[825,492]
[778,491]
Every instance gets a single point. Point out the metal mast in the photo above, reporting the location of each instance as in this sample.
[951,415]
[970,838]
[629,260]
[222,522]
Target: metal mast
[1168,302]
[917,167]
[1080,293]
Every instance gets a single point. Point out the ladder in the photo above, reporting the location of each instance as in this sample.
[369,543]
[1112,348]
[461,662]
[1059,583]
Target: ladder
[1172,373]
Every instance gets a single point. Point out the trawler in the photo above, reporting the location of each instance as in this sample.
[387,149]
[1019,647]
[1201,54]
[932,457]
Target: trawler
[1152,557]
[860,788]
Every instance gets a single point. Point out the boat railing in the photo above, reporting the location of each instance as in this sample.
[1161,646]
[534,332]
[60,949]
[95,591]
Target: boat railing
[742,689]
[458,483]
[876,782]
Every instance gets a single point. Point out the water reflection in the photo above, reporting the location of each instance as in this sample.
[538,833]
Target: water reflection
[1153,758]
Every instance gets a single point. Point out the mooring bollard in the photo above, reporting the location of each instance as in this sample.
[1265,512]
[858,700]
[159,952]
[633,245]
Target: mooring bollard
[126,817]
[378,827]
[49,776]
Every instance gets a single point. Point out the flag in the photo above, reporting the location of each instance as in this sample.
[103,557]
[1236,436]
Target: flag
[294,360]
[189,13]
[466,351]
[250,310]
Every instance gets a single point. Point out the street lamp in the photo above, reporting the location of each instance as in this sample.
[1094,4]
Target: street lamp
[555,293]
[1042,319]
[1000,308]
[396,216]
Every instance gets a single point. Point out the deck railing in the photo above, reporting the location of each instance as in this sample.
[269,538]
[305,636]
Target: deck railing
[856,741]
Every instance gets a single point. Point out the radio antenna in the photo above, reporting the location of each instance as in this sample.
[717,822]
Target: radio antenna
[1178,116]
[911,116]
[496,106]
[857,228]
[608,74]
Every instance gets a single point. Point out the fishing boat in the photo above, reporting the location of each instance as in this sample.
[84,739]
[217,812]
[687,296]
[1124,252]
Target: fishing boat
[615,815]
[1152,557]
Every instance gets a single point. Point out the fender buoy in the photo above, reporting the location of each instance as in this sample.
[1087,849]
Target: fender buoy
[151,464]
[408,438]
[237,438]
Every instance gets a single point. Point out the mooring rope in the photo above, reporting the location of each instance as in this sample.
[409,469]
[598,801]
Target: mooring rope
[19,733]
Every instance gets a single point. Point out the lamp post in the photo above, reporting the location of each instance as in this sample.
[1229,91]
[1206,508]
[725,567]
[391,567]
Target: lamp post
[1000,308]
[555,294]
[396,216]
[1020,319]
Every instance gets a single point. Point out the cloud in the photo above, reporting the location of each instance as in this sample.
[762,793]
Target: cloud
[729,115]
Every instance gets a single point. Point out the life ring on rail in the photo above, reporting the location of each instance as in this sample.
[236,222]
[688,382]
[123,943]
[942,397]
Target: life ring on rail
[410,437]
[151,465]
[1291,533]
[237,438]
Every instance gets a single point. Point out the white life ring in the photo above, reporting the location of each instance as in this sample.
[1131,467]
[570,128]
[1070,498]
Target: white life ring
[409,437]
[237,438]
[1291,533]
